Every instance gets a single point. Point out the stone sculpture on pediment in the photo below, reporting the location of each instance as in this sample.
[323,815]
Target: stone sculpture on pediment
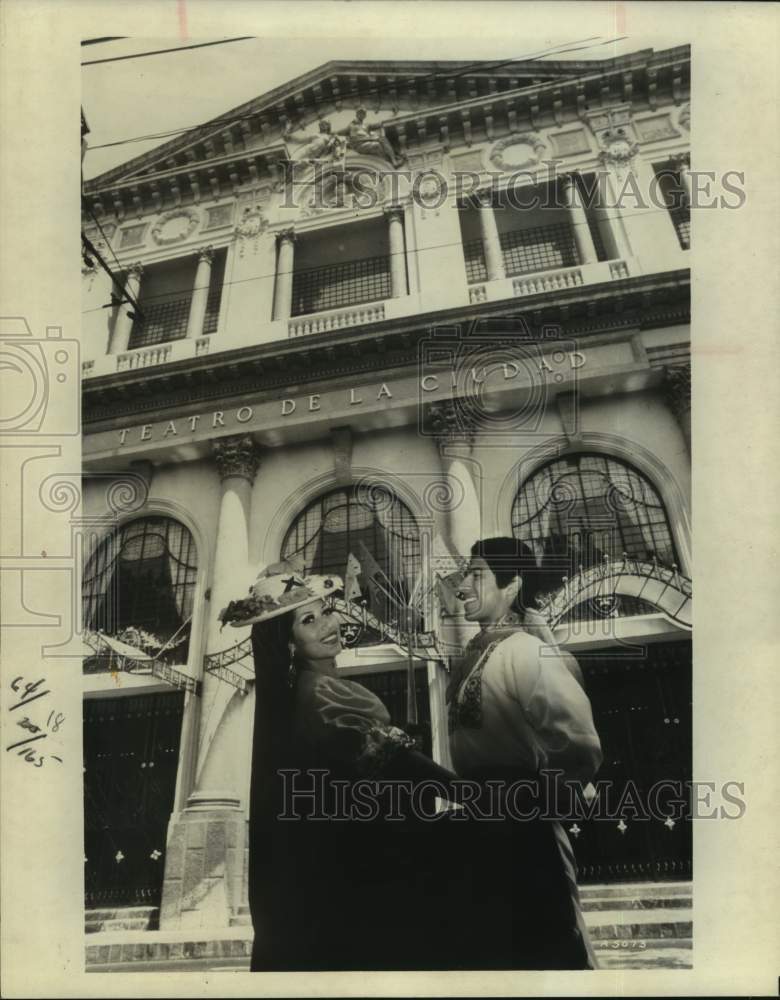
[370,139]
[320,145]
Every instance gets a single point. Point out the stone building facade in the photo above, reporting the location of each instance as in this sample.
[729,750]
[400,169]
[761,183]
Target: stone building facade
[390,303]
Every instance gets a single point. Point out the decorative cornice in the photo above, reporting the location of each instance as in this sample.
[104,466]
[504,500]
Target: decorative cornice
[646,302]
[236,456]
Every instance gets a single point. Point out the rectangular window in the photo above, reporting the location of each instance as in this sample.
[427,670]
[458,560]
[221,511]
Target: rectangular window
[165,299]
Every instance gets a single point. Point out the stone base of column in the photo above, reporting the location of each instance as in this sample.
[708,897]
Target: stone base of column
[206,864]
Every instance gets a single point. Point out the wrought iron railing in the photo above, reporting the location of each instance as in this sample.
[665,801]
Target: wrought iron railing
[525,251]
[351,283]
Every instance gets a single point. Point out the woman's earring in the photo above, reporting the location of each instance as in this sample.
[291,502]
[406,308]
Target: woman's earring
[291,671]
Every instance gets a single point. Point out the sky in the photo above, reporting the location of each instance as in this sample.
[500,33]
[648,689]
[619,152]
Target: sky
[182,89]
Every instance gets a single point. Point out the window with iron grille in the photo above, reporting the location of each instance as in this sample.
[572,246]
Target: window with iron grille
[576,510]
[476,268]
[143,576]
[542,248]
[349,521]
[166,312]
[350,283]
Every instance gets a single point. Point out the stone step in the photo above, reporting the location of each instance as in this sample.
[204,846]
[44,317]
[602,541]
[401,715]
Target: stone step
[130,918]
[112,949]
[632,890]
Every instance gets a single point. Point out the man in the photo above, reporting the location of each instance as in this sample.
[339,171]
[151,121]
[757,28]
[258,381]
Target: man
[517,710]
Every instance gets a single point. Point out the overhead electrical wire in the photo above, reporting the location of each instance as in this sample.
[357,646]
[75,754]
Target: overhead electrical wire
[161,52]
[562,49]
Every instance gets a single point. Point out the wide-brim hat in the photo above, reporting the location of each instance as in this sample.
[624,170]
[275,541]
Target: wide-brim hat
[279,588]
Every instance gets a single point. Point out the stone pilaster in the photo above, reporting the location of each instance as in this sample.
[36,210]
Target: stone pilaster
[586,249]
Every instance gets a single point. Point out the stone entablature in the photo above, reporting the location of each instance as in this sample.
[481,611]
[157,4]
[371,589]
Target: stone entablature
[420,109]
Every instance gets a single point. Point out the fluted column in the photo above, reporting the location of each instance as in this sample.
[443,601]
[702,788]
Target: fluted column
[285,260]
[395,231]
[200,293]
[586,249]
[123,324]
[494,258]
[678,394]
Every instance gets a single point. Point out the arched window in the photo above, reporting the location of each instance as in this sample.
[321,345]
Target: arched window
[576,510]
[369,523]
[143,576]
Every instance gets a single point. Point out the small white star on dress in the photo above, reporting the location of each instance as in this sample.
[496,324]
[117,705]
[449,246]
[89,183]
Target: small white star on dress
[669,822]
[155,854]
[622,826]
[119,857]
[575,831]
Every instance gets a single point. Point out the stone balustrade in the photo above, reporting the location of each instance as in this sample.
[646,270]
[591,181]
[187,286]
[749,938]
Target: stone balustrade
[143,359]
[336,320]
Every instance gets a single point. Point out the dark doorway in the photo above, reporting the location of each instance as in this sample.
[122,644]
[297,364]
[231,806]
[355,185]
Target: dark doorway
[642,710]
[131,753]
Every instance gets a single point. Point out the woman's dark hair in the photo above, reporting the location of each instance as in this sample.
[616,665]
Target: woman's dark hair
[509,558]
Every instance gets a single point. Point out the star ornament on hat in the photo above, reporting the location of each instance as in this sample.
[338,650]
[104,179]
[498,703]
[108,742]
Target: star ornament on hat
[279,588]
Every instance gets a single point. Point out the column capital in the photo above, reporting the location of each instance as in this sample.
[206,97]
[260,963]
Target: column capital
[136,269]
[206,253]
[483,198]
[677,387]
[679,161]
[286,235]
[451,424]
[393,212]
[236,456]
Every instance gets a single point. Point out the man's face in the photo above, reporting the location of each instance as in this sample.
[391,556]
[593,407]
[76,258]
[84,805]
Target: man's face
[484,601]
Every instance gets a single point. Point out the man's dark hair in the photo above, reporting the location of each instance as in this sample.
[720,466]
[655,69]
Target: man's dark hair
[509,558]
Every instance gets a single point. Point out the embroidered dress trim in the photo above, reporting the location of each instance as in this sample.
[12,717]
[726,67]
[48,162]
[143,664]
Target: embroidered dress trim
[466,706]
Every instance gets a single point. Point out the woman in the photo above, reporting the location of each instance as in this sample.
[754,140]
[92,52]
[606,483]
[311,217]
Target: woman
[328,890]
[519,714]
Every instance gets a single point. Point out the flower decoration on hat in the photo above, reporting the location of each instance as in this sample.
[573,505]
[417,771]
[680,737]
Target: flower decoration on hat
[279,588]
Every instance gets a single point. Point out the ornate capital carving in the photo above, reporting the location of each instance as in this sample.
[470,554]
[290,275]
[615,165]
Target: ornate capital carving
[206,253]
[451,423]
[677,387]
[135,270]
[236,456]
[286,236]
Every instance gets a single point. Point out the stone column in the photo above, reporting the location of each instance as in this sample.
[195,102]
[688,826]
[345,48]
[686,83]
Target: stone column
[455,435]
[677,386]
[200,294]
[285,260]
[586,249]
[123,324]
[494,258]
[395,230]
[204,873]
[682,164]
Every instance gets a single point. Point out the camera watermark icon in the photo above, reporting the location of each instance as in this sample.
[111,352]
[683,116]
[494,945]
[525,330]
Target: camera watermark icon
[495,376]
[40,378]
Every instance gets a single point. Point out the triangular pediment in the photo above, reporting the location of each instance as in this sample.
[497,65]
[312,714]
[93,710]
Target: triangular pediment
[391,92]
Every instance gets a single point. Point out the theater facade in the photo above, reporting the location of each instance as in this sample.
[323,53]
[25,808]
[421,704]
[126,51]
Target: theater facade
[387,307]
